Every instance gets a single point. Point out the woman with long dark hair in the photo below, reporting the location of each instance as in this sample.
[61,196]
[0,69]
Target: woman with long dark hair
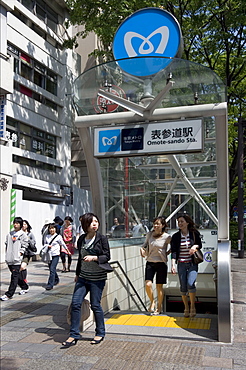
[30,252]
[155,251]
[91,275]
[53,245]
[183,245]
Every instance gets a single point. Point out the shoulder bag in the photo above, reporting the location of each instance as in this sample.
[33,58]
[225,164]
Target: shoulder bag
[44,253]
[198,255]
[85,312]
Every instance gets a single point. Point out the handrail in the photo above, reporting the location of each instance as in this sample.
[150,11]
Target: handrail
[130,283]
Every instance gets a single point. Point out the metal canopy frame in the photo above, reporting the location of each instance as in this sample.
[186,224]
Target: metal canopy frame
[139,114]
[219,111]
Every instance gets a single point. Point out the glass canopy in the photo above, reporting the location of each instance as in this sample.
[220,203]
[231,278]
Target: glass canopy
[193,84]
[137,189]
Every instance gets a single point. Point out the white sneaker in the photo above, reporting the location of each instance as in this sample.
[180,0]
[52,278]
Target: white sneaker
[4,298]
[24,291]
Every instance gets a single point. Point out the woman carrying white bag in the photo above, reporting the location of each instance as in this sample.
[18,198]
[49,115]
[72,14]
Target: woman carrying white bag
[52,246]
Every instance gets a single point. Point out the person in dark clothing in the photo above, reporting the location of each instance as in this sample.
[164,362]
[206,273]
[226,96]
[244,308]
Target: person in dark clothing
[119,230]
[184,244]
[59,222]
[91,276]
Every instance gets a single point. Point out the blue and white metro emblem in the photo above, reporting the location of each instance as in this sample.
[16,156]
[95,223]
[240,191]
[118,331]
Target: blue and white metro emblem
[109,141]
[150,32]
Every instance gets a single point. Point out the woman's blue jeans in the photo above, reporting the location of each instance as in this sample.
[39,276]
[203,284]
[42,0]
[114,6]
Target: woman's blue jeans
[82,287]
[53,278]
[187,277]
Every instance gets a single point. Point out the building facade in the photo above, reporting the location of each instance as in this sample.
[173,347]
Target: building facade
[40,165]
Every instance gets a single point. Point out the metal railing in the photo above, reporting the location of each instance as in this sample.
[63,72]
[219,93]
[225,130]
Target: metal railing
[130,284]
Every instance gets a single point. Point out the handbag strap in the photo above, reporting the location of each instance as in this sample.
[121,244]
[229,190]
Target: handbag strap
[53,239]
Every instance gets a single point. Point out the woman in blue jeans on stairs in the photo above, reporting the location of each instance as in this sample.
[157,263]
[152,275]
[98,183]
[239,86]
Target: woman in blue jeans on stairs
[91,276]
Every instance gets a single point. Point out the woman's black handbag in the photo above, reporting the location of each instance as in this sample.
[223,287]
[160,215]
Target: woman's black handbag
[198,257]
[106,267]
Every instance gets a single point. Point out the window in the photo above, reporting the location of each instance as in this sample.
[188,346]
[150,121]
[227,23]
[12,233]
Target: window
[39,74]
[32,139]
[32,163]
[51,83]
[29,4]
[38,97]
[33,71]
[43,12]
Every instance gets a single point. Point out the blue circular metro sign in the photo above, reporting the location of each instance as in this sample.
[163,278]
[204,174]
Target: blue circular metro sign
[149,32]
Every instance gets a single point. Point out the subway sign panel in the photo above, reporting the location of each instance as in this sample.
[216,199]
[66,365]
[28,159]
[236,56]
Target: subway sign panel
[149,139]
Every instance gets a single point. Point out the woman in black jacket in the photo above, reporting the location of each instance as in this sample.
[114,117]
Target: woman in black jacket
[91,275]
[184,244]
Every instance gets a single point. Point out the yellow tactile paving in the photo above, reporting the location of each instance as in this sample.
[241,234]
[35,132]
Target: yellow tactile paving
[118,319]
[180,322]
[200,323]
[138,320]
[160,321]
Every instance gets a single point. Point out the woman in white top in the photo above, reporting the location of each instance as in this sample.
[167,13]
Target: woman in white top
[53,242]
[155,251]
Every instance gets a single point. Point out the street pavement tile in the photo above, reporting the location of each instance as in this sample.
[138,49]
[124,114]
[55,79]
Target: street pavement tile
[41,364]
[41,318]
[226,363]
[12,336]
[11,354]
[212,350]
[12,363]
[113,363]
[40,348]
[11,346]
[85,359]
[234,352]
[36,324]
[37,338]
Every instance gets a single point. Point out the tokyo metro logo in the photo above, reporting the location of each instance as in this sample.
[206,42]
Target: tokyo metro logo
[149,32]
[146,46]
[109,141]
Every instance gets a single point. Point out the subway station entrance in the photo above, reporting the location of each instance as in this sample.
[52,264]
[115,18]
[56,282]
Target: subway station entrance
[181,167]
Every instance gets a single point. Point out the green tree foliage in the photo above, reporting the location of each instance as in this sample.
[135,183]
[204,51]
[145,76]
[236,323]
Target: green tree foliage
[214,35]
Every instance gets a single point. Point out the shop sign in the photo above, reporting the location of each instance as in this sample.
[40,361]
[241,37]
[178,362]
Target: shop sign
[104,105]
[2,115]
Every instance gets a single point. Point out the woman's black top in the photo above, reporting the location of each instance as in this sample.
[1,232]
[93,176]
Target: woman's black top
[94,270]
[195,238]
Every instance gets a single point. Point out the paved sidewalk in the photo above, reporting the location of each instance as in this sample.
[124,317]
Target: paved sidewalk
[34,325]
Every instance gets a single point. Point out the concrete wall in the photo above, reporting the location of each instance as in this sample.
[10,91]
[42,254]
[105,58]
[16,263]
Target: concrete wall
[115,294]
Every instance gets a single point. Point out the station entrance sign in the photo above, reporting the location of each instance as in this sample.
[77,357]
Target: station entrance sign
[146,139]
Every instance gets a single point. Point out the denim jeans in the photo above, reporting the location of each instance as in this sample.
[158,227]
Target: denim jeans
[82,287]
[53,278]
[187,277]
